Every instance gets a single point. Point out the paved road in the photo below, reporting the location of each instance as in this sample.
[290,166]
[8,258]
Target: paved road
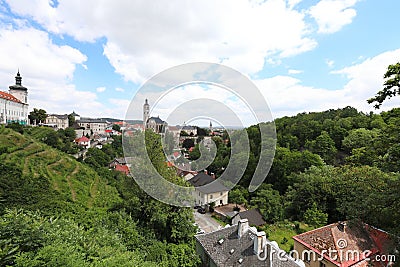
[205,222]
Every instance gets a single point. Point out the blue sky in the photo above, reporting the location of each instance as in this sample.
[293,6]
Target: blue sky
[93,56]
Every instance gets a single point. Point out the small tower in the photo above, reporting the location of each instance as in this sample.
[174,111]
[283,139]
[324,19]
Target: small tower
[18,91]
[146,112]
[211,129]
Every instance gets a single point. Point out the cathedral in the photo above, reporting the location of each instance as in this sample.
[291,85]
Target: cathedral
[155,123]
[14,104]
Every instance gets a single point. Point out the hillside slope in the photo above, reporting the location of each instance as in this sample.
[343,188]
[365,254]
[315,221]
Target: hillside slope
[34,175]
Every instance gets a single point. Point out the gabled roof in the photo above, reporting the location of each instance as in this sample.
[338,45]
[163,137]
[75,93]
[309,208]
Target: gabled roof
[347,237]
[157,120]
[253,216]
[82,139]
[122,168]
[206,184]
[9,97]
[233,248]
[62,117]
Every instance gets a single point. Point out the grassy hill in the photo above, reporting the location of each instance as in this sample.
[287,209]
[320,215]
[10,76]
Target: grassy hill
[34,175]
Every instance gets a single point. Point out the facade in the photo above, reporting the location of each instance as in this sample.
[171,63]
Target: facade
[83,141]
[154,123]
[208,190]
[59,121]
[241,245]
[351,244]
[14,104]
[95,126]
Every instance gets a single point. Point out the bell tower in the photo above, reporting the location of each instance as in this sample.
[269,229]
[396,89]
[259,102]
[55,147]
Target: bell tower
[146,112]
[18,91]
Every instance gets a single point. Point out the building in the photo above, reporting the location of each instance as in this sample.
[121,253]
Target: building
[155,123]
[83,141]
[208,190]
[350,244]
[253,216]
[58,121]
[241,245]
[14,104]
[95,126]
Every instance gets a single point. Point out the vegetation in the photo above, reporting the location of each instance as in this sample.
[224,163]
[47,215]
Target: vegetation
[391,86]
[55,211]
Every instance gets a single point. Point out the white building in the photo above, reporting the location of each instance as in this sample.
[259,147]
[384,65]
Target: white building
[59,121]
[14,104]
[208,190]
[95,126]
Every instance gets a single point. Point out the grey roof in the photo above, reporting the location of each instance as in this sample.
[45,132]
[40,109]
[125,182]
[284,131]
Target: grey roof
[63,117]
[156,120]
[89,120]
[206,184]
[253,216]
[243,248]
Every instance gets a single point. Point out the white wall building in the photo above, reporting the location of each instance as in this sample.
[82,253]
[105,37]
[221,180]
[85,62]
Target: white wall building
[59,121]
[14,105]
[208,190]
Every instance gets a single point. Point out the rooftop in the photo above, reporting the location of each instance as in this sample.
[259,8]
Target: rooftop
[253,215]
[206,184]
[9,97]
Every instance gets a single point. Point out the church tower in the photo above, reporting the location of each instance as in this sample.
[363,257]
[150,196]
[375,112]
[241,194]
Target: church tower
[18,91]
[146,112]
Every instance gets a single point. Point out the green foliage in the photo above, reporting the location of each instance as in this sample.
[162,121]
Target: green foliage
[315,217]
[269,202]
[391,86]
[37,116]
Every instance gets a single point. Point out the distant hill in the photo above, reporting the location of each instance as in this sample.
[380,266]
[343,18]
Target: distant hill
[34,175]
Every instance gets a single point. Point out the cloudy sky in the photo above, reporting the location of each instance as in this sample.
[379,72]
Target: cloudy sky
[93,56]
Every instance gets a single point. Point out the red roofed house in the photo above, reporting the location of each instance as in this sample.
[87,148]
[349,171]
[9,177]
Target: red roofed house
[14,104]
[83,141]
[345,244]
[122,168]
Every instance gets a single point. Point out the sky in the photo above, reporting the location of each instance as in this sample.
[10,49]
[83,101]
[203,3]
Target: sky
[93,57]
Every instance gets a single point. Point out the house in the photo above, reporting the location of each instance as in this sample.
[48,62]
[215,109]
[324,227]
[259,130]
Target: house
[120,164]
[253,216]
[59,121]
[241,245]
[190,130]
[208,190]
[122,168]
[95,126]
[83,141]
[14,104]
[350,243]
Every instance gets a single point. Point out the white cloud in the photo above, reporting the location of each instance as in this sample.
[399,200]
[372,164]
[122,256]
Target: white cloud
[330,63]
[118,89]
[154,36]
[287,96]
[47,70]
[292,71]
[332,15]
[100,89]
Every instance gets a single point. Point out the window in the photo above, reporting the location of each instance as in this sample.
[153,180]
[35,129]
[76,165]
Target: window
[220,194]
[211,196]
[321,264]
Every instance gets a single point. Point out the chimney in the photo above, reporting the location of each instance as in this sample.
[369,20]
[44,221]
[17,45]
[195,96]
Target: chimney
[259,242]
[243,226]
[342,226]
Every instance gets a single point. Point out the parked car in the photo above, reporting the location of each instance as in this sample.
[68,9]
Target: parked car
[201,210]
[200,231]
[197,207]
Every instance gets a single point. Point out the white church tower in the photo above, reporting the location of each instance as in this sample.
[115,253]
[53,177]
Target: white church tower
[146,112]
[18,91]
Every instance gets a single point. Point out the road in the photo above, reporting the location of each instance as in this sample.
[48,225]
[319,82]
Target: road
[206,222]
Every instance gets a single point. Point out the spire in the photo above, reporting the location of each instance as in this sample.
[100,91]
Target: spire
[145,102]
[18,79]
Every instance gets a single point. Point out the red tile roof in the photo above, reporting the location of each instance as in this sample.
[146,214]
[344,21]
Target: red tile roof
[122,168]
[8,96]
[83,139]
[347,237]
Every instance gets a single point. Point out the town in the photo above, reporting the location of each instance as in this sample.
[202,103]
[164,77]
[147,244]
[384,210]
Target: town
[231,227]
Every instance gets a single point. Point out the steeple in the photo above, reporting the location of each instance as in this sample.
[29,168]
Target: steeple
[146,112]
[18,79]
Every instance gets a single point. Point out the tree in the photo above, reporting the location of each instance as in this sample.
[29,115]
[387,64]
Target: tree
[188,143]
[116,127]
[269,202]
[315,217]
[71,120]
[37,116]
[391,86]
[324,146]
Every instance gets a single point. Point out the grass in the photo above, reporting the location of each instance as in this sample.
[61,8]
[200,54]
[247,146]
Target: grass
[71,180]
[282,233]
